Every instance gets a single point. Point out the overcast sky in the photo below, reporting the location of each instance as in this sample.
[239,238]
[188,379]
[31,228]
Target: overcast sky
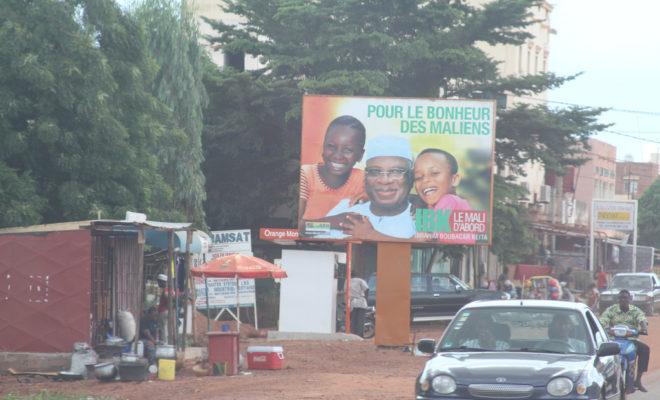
[617,47]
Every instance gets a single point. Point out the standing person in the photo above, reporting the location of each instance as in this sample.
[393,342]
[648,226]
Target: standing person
[568,278]
[323,185]
[164,306]
[601,278]
[358,303]
[501,280]
[591,297]
[628,314]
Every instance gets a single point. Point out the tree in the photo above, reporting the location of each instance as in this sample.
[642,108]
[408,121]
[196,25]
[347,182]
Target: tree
[173,42]
[406,48]
[648,221]
[79,127]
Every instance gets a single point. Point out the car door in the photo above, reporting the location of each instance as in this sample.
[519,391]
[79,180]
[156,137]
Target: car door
[609,367]
[448,294]
[423,304]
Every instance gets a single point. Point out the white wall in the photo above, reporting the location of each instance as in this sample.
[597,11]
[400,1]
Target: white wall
[308,295]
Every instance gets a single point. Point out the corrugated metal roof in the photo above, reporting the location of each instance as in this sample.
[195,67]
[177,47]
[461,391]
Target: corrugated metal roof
[62,226]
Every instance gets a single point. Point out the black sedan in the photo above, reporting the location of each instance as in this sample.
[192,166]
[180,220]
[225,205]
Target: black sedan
[521,349]
[438,296]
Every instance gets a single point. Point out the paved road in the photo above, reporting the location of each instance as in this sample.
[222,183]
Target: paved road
[652,383]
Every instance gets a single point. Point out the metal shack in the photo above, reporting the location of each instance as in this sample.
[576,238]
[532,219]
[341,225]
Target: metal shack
[61,283]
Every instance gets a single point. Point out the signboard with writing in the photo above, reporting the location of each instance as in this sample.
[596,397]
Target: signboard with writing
[224,243]
[396,169]
[222,293]
[614,215]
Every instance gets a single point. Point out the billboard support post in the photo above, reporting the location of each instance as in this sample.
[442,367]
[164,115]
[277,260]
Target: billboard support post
[592,253]
[634,251]
[347,290]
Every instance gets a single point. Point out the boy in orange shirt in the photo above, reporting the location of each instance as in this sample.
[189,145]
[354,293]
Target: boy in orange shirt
[323,185]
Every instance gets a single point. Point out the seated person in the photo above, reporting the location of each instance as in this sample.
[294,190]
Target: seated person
[561,328]
[485,337]
[149,333]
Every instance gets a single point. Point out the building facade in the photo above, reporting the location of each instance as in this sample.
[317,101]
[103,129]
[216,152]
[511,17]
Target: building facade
[633,178]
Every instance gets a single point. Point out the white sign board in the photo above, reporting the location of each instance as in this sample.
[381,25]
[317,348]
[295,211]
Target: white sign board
[222,293]
[224,243]
[614,215]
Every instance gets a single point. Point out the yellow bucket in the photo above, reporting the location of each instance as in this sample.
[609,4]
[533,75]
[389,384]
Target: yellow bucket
[166,369]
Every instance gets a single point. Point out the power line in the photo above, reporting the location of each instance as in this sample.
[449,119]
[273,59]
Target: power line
[632,137]
[650,113]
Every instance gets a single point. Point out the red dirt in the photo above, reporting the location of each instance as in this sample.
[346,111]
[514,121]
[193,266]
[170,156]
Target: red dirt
[313,370]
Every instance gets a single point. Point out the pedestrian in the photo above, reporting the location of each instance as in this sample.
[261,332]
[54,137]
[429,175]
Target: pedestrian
[601,278]
[501,280]
[164,306]
[591,297]
[359,292]
[568,278]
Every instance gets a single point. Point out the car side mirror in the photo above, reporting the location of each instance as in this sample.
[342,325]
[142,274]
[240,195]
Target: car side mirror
[458,288]
[608,349]
[656,287]
[426,346]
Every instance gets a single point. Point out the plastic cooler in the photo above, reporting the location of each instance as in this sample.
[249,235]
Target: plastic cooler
[265,357]
[223,352]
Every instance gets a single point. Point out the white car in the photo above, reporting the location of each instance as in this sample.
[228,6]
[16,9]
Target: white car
[644,287]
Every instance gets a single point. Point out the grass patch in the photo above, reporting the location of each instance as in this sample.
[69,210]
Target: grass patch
[46,395]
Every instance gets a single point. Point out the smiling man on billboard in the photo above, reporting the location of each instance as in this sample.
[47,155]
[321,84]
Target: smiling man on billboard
[388,180]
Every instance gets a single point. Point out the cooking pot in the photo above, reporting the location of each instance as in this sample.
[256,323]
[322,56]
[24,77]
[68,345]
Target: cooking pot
[166,351]
[105,371]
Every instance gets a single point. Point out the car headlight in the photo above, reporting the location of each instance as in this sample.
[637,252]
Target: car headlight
[559,387]
[443,384]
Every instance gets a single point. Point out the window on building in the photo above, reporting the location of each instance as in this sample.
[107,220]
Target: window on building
[521,54]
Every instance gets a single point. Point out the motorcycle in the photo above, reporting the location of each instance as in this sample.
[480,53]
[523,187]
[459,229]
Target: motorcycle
[624,336]
[369,330]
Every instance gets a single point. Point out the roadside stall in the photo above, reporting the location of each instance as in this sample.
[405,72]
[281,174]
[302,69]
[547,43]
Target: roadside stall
[223,346]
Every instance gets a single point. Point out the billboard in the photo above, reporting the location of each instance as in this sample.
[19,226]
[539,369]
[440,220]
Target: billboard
[222,291]
[614,215]
[224,243]
[396,169]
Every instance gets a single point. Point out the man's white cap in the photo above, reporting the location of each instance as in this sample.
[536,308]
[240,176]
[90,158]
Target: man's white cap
[162,277]
[388,146]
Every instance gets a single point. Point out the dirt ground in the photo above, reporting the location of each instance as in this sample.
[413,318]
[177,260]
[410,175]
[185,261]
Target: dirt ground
[313,370]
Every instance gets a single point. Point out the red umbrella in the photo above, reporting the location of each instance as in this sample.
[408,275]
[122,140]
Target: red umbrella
[236,266]
[239,266]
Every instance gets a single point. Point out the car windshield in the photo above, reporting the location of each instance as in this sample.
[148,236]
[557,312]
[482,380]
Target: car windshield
[631,282]
[527,329]
[422,283]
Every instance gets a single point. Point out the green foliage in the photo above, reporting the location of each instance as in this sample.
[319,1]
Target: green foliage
[173,42]
[79,127]
[511,221]
[648,221]
[250,150]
